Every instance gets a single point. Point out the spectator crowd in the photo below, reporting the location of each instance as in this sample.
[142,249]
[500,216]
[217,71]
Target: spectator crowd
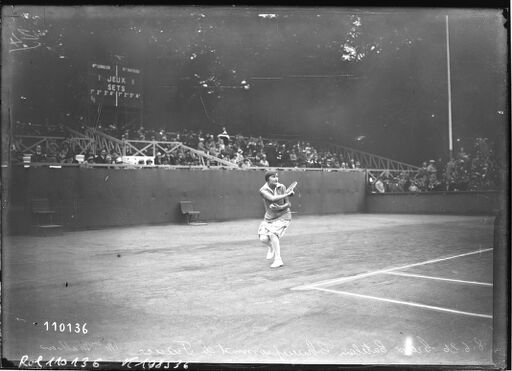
[240,150]
[476,170]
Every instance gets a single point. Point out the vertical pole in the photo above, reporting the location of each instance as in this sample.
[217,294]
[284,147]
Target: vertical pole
[450,133]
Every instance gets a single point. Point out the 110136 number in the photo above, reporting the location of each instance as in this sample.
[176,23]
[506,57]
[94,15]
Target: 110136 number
[77,328]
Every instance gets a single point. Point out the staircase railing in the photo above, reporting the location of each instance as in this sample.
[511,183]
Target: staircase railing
[82,141]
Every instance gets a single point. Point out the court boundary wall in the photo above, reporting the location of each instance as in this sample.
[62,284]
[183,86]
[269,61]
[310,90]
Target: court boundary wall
[457,203]
[90,198]
[103,197]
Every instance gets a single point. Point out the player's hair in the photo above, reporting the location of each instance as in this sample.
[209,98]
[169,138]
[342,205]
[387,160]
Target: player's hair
[268,174]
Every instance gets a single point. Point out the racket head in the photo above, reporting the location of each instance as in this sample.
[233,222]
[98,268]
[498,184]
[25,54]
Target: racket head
[291,187]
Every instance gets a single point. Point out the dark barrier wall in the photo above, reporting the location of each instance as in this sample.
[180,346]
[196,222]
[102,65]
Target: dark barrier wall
[466,203]
[102,197]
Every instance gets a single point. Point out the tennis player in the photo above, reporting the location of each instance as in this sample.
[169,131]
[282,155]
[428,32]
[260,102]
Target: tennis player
[277,216]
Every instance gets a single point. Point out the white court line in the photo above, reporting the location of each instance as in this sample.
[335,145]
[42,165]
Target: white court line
[412,304]
[438,278]
[363,275]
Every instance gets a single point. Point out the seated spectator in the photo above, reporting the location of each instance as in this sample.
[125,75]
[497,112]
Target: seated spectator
[229,151]
[431,167]
[413,187]
[52,153]
[246,163]
[294,160]
[450,175]
[115,157]
[38,156]
[404,181]
[263,161]
[221,146]
[78,159]
[421,179]
[239,157]
[159,158]
[462,176]
[102,157]
[461,155]
[63,154]
[200,145]
[172,158]
[433,183]
[393,185]
[224,135]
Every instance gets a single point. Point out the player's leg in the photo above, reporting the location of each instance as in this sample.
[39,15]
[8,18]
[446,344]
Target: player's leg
[266,240]
[274,240]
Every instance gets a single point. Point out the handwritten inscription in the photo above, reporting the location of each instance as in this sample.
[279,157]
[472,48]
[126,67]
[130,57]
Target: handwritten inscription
[81,346]
[375,347]
[86,363]
[23,39]
[148,363]
[57,361]
[185,348]
[185,351]
[421,346]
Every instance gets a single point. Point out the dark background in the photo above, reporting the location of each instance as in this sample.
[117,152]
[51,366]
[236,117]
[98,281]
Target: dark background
[276,72]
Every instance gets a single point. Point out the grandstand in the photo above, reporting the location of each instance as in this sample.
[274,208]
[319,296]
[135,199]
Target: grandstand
[92,140]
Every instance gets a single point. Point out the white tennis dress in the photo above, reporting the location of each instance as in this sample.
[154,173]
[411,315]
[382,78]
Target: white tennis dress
[275,221]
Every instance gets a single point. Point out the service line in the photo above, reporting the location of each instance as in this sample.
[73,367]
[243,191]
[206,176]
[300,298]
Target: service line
[363,275]
[402,274]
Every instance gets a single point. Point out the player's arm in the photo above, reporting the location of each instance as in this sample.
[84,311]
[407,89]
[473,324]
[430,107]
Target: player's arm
[272,198]
[279,207]
[284,203]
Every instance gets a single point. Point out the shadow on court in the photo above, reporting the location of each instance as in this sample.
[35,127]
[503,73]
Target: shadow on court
[354,289]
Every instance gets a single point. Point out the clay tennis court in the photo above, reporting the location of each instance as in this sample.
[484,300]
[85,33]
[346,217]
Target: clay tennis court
[355,288]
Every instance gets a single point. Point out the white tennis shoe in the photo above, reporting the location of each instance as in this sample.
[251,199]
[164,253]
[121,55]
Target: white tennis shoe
[277,263]
[270,253]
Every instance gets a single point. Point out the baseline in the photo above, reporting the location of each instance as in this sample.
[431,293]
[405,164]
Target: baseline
[409,303]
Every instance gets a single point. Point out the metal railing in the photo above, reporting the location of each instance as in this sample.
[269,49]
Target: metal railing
[28,143]
[130,147]
[369,160]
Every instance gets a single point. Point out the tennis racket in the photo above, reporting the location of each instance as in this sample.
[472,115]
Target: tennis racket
[291,187]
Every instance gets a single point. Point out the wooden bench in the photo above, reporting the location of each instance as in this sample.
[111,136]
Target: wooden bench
[187,209]
[41,209]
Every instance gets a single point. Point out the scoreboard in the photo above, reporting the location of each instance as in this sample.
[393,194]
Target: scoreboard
[115,86]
